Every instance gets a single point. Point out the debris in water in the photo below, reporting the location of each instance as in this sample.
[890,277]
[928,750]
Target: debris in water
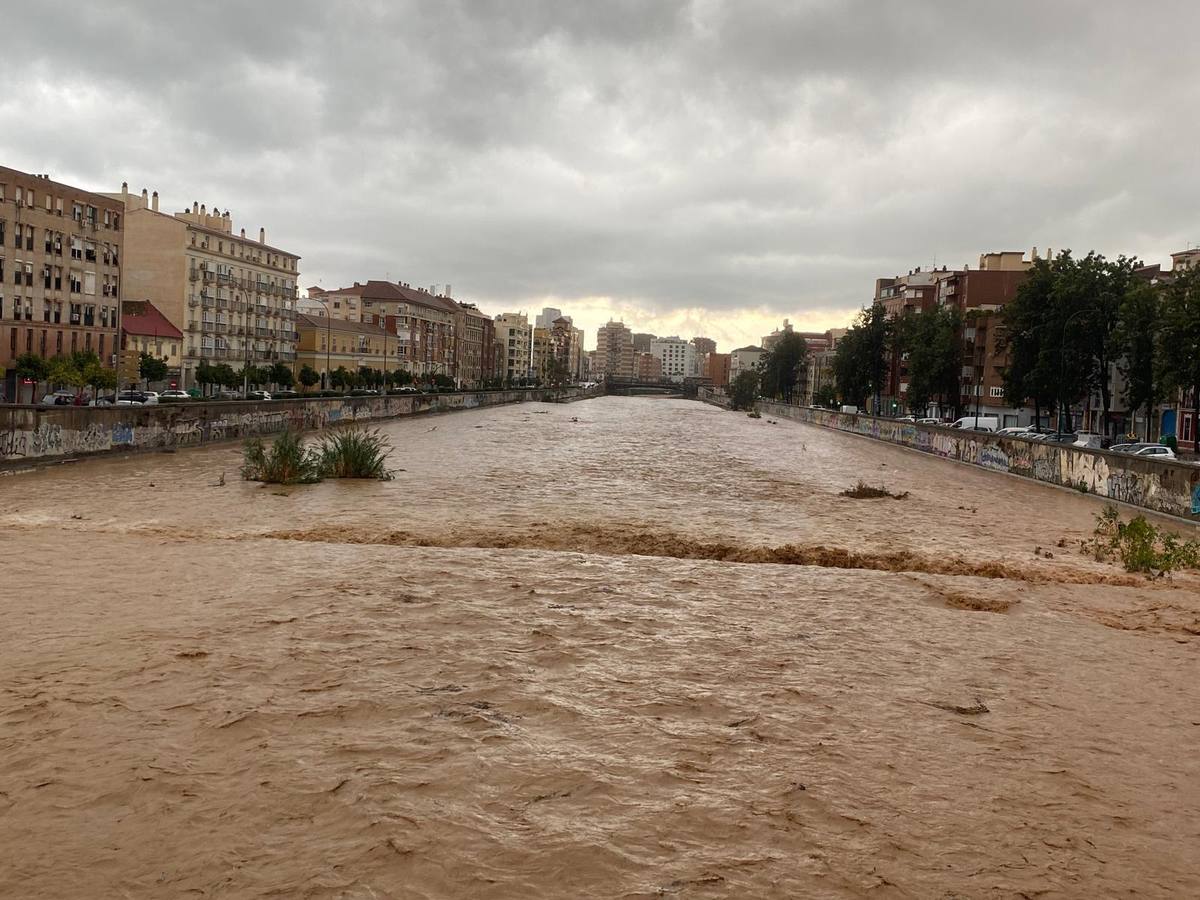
[976,709]
[864,491]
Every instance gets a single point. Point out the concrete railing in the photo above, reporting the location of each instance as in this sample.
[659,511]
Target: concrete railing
[1162,486]
[31,434]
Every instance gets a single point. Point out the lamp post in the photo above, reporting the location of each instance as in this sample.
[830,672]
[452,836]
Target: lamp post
[328,340]
[1062,352]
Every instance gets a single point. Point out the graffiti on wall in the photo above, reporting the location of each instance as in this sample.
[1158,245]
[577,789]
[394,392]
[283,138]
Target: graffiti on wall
[32,434]
[1150,484]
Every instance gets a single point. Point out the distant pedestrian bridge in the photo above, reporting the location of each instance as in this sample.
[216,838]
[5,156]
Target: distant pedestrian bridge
[644,389]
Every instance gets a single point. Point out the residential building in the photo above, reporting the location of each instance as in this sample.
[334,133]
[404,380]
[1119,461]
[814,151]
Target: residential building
[328,343]
[614,352]
[716,369]
[678,357]
[566,343]
[514,336]
[476,336]
[145,329]
[340,303]
[545,319]
[648,367]
[541,355]
[744,359]
[422,322]
[819,371]
[62,255]
[233,297]
[641,342]
[1185,259]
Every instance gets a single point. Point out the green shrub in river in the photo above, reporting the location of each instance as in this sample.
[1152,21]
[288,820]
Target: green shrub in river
[1140,545]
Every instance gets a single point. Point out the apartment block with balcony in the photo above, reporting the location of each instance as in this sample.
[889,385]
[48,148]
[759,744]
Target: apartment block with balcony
[615,355]
[514,337]
[327,343]
[61,255]
[476,336]
[233,297]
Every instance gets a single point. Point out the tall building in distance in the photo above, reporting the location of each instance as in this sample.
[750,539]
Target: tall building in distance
[641,342]
[476,335]
[566,343]
[545,319]
[678,357]
[614,352]
[62,253]
[233,297]
[514,336]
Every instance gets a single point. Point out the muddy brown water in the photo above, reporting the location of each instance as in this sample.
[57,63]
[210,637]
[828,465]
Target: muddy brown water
[651,652]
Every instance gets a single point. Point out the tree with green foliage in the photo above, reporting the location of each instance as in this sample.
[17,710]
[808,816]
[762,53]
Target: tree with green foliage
[280,376]
[783,366]
[851,367]
[1032,372]
[226,377]
[931,343]
[33,367]
[1137,336]
[205,377]
[744,390]
[402,377]
[1178,349]
[826,396]
[151,368]
[309,377]
[339,378]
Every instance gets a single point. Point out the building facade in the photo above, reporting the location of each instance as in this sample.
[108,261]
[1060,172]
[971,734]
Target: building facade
[744,359]
[146,330]
[514,337]
[476,335]
[327,343]
[62,258]
[614,352]
[648,367]
[233,297]
[678,357]
[716,369]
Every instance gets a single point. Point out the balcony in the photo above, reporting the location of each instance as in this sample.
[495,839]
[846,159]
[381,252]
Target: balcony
[221,328]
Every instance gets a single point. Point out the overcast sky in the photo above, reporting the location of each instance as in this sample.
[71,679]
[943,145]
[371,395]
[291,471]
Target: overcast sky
[703,167]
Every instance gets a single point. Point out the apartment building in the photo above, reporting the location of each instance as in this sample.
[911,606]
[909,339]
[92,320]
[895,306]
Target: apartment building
[423,323]
[614,352]
[476,335]
[678,357]
[514,337]
[641,342]
[566,342]
[541,356]
[648,367]
[545,319]
[62,251]
[716,369]
[232,296]
[744,359]
[327,343]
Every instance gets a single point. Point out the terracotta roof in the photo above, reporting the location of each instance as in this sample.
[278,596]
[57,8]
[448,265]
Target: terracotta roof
[335,324]
[397,293]
[151,323]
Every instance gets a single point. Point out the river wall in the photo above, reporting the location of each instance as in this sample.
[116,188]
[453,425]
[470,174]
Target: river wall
[1166,487]
[32,434]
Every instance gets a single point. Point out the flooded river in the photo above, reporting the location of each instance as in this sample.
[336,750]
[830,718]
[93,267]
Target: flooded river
[619,648]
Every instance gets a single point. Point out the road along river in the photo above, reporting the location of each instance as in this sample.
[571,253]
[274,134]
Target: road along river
[620,648]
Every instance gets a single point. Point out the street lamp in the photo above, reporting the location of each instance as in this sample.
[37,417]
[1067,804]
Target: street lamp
[328,339]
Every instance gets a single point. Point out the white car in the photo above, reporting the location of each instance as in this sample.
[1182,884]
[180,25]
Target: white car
[59,398]
[1158,451]
[175,395]
[1012,431]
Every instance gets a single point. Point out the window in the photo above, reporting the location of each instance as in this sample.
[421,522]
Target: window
[76,248]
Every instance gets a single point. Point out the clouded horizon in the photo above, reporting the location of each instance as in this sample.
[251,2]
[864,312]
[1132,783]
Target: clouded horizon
[700,167]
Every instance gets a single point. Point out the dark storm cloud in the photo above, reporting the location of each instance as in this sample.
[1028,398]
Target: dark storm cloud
[750,160]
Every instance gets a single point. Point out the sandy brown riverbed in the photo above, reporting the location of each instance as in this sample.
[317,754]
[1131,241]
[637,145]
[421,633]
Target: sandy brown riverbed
[651,652]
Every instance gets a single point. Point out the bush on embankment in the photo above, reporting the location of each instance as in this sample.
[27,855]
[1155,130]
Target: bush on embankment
[354,453]
[1139,545]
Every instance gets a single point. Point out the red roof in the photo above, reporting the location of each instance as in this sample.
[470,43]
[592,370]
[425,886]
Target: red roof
[151,323]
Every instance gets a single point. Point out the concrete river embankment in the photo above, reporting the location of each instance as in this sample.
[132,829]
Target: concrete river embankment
[33,434]
[1172,488]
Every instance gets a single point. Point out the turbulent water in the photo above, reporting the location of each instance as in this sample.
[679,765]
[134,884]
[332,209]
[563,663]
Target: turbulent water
[619,648]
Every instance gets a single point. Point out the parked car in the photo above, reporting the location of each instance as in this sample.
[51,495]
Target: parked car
[364,392]
[257,395]
[1067,437]
[284,395]
[1120,448]
[1013,431]
[1088,440]
[153,394]
[136,398]
[1158,451]
[106,400]
[407,389]
[928,422]
[59,398]
[227,394]
[174,395]
[978,423]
